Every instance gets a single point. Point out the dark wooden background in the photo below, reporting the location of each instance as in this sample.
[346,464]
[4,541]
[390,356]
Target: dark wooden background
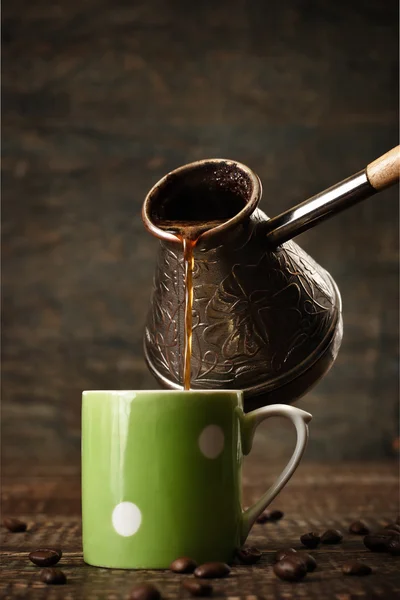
[103,97]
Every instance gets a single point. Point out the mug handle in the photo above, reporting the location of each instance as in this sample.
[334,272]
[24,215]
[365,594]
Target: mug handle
[249,424]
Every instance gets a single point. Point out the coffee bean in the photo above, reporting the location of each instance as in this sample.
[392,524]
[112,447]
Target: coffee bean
[389,533]
[45,557]
[197,588]
[145,591]
[263,518]
[393,527]
[356,568]
[183,565]
[212,570]
[377,542]
[269,515]
[393,547]
[283,553]
[248,555]
[275,515]
[331,536]
[14,525]
[310,562]
[310,540]
[53,577]
[358,528]
[290,569]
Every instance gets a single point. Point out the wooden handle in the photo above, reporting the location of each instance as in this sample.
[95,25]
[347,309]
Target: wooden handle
[385,170]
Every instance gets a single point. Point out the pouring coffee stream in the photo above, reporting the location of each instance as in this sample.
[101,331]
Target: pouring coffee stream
[268,318]
[188,234]
[188,257]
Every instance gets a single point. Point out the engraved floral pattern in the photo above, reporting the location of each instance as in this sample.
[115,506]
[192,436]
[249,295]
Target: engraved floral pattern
[161,334]
[255,318]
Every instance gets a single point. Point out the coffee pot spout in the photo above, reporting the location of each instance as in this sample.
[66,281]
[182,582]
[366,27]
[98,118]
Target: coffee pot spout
[378,175]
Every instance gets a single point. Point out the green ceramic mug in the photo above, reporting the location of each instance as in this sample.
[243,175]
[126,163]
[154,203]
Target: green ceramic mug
[161,475]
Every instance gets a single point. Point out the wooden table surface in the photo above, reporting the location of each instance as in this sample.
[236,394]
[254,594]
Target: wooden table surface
[317,498]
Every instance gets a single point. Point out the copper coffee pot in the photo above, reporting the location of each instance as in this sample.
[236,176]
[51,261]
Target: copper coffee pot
[266,317]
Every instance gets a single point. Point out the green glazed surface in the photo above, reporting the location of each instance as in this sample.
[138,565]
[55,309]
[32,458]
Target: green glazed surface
[160,477]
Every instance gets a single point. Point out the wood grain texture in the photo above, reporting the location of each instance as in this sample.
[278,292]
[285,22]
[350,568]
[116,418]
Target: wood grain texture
[100,99]
[385,170]
[316,498]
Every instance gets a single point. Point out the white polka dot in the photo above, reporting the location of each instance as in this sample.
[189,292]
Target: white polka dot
[126,518]
[211,441]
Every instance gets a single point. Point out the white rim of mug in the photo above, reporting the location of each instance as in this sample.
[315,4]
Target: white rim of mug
[162,392]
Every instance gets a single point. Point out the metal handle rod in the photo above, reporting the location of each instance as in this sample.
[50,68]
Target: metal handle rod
[294,221]
[381,173]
